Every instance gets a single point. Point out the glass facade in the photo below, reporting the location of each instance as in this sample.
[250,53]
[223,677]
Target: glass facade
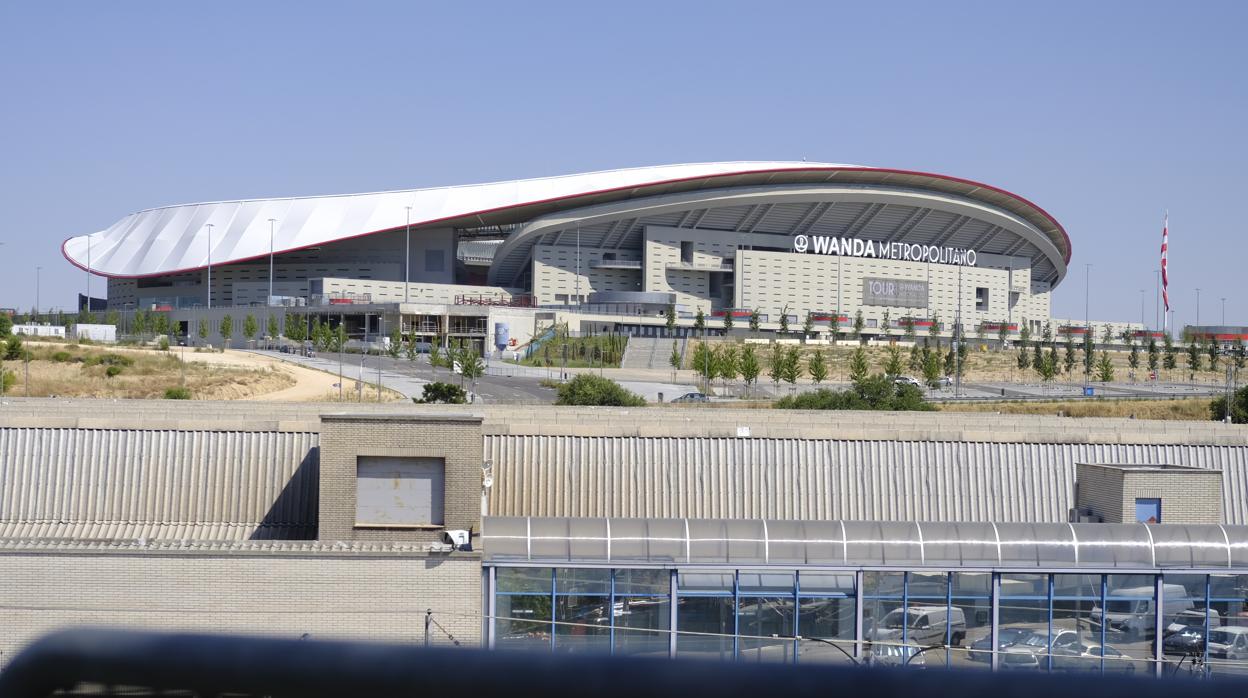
[1068,621]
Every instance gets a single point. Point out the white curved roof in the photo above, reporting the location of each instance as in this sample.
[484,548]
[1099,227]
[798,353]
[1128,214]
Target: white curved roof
[176,238]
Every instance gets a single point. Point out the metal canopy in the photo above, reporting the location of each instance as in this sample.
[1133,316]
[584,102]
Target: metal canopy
[862,543]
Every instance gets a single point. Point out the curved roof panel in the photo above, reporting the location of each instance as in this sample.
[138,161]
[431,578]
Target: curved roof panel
[190,236]
[555,541]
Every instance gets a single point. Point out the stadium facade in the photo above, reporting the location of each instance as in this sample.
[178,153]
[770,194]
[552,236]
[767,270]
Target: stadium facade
[904,248]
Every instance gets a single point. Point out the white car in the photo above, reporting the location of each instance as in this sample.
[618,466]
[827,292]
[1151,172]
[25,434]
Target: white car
[1230,642]
[907,380]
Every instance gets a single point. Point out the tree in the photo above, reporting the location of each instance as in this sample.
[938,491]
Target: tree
[699,322]
[471,367]
[1107,335]
[1003,333]
[726,365]
[411,349]
[792,365]
[755,320]
[859,324]
[1133,359]
[1212,349]
[1239,353]
[808,325]
[1104,368]
[817,366]
[1193,357]
[910,331]
[1069,359]
[1024,359]
[226,328]
[858,368]
[886,323]
[442,393]
[931,370]
[1153,354]
[1169,360]
[160,324]
[296,329]
[338,339]
[775,368]
[671,317]
[203,329]
[749,366]
[1047,367]
[250,326]
[916,359]
[934,330]
[274,329]
[6,325]
[728,320]
[892,366]
[835,325]
[396,343]
[1024,332]
[704,362]
[13,348]
[1239,407]
[674,360]
[784,320]
[1046,335]
[589,389]
[950,362]
[112,317]
[140,323]
[1089,352]
[1037,355]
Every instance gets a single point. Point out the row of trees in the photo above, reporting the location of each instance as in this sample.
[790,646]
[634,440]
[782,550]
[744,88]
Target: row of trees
[786,363]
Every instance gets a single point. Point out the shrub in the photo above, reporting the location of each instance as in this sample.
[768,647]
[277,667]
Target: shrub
[178,393]
[587,389]
[164,343]
[442,393]
[875,392]
[6,325]
[1239,407]
[112,371]
[7,380]
[61,357]
[13,348]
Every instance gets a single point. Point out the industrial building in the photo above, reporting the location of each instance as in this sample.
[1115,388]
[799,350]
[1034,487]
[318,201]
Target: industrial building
[780,241]
[735,534]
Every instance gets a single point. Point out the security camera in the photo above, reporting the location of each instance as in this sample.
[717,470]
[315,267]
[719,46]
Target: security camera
[458,539]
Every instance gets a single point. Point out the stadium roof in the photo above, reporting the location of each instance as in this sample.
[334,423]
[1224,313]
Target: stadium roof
[175,239]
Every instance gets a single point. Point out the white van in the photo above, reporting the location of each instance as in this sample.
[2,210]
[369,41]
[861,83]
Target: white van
[923,625]
[1230,642]
[1135,617]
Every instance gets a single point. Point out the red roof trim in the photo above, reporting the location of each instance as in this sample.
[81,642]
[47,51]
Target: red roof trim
[916,173]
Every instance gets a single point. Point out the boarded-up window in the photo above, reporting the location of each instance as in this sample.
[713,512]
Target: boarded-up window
[393,491]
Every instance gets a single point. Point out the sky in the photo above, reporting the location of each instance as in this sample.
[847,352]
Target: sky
[1105,114]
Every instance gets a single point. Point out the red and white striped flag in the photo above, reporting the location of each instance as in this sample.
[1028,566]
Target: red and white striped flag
[1165,276]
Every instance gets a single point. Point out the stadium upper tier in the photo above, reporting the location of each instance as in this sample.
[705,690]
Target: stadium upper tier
[172,239]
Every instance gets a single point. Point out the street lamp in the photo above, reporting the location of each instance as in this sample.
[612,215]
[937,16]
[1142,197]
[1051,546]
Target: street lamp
[1087,325]
[1224,311]
[1198,307]
[37,284]
[272,221]
[1142,309]
[209,226]
[407,254]
[88,273]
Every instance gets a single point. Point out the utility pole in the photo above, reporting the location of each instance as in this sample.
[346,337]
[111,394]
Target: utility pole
[381,324]
[1087,324]
[407,254]
[272,222]
[1198,307]
[1157,300]
[342,330]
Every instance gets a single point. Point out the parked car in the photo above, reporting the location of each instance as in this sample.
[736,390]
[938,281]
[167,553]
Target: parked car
[1132,615]
[1087,657]
[1018,659]
[1037,646]
[1006,637]
[1230,642]
[923,625]
[908,380]
[692,397]
[898,655]
[1187,640]
[944,382]
[1192,617]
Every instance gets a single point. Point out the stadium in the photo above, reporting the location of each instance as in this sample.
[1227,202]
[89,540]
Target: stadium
[784,241]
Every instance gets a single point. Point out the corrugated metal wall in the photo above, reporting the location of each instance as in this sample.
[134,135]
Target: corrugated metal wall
[165,484]
[818,479]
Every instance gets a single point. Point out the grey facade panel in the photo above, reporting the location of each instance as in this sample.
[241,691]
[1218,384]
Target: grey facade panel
[157,484]
[813,479]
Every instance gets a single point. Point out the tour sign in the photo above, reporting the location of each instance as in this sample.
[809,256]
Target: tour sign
[901,251]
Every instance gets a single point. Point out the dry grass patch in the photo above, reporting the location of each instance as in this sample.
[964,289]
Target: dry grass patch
[1187,409]
[69,370]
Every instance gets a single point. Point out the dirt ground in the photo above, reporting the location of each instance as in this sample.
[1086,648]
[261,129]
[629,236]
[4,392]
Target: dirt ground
[229,375]
[1190,409]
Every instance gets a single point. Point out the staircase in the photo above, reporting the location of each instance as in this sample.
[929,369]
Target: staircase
[646,352]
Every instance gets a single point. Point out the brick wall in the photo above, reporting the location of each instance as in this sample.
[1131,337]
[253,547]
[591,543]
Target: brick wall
[348,596]
[1100,489]
[344,438]
[1187,496]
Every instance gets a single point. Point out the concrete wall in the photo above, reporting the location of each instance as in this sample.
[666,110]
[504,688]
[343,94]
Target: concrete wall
[349,595]
[555,277]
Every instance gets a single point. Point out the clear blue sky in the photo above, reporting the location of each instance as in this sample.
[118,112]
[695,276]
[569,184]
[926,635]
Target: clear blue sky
[1104,113]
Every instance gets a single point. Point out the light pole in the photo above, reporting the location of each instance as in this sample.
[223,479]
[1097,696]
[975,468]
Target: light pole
[209,226]
[1198,307]
[1224,311]
[88,273]
[37,284]
[1157,299]
[407,254]
[1087,324]
[272,223]
[1142,308]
